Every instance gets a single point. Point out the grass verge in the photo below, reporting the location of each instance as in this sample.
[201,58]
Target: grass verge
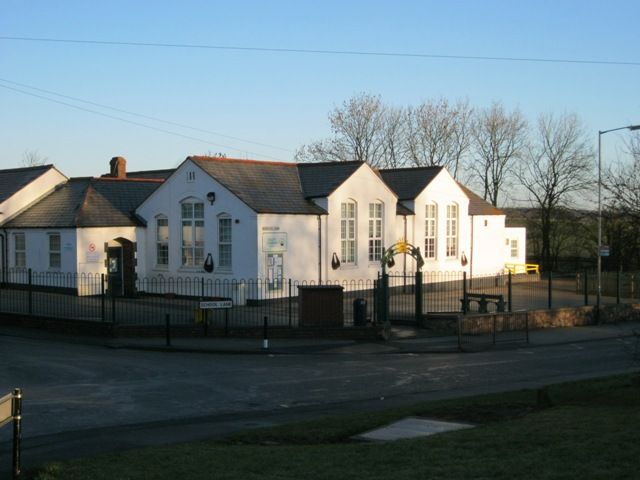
[591,429]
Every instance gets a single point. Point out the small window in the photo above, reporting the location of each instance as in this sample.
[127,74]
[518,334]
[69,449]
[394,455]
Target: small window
[224,243]
[191,176]
[162,241]
[486,223]
[19,250]
[514,248]
[54,250]
[506,242]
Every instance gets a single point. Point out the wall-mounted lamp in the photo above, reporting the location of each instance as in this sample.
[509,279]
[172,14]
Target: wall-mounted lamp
[211,196]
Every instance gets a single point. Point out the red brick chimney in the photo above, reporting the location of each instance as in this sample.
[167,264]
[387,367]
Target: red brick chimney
[118,167]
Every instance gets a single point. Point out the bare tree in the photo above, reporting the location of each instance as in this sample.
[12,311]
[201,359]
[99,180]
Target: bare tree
[499,139]
[364,129]
[32,158]
[439,134]
[557,166]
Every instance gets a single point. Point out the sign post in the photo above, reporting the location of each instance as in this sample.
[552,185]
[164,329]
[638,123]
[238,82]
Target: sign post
[11,409]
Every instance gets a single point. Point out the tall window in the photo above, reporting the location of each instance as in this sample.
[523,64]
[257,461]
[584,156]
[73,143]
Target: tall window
[162,241]
[20,250]
[54,250]
[192,233]
[375,231]
[348,232]
[452,230]
[514,248]
[430,230]
[224,242]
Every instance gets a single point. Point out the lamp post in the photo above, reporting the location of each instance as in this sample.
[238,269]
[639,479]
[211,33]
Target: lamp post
[600,133]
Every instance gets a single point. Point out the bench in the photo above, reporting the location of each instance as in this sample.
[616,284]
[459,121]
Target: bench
[483,300]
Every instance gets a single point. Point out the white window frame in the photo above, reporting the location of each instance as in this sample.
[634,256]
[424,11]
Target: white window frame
[225,243]
[514,248]
[453,213]
[349,232]
[376,230]
[55,255]
[192,250]
[19,254]
[431,231]
[162,244]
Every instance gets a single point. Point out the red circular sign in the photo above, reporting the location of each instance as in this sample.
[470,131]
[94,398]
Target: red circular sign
[92,247]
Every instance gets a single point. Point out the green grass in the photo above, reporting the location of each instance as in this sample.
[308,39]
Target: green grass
[591,430]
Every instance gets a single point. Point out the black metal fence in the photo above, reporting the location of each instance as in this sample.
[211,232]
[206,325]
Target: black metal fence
[409,298]
[87,297]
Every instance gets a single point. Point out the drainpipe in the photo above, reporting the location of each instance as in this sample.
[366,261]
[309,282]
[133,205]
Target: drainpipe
[471,253]
[5,253]
[404,257]
[319,250]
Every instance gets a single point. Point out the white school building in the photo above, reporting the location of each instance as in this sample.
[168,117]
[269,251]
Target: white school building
[224,219]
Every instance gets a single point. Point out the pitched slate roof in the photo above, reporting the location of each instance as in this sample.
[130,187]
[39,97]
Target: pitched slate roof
[88,202]
[479,206]
[266,187]
[407,183]
[321,179]
[14,179]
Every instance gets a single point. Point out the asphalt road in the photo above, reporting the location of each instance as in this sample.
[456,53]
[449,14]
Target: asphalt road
[83,399]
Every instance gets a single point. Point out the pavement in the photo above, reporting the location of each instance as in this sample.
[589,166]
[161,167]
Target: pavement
[403,340]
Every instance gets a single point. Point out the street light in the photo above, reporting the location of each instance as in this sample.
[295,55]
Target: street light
[600,133]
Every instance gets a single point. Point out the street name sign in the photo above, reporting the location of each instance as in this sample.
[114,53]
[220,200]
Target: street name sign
[216,304]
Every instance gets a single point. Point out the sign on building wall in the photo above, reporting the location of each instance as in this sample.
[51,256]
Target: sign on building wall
[274,242]
[92,254]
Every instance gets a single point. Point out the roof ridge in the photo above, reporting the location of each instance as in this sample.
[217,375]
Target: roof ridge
[205,158]
[423,167]
[128,179]
[332,162]
[83,203]
[34,167]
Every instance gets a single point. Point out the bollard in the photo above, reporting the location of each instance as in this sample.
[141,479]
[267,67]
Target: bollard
[265,337]
[167,323]
[510,293]
[17,430]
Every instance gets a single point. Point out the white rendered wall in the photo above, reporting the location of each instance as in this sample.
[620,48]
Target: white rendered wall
[488,245]
[37,249]
[442,190]
[519,234]
[166,200]
[35,190]
[363,187]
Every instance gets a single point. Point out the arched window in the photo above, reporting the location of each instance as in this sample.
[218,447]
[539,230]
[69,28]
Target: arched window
[224,242]
[430,231]
[348,240]
[452,230]
[376,215]
[162,241]
[192,232]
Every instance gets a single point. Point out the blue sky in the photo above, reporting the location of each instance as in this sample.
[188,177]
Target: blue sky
[282,99]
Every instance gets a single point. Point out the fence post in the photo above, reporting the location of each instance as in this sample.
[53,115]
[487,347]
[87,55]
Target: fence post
[16,413]
[494,323]
[113,305]
[464,293]
[510,293]
[102,305]
[290,305]
[618,286]
[30,293]
[550,290]
[586,288]
[202,288]
[418,296]
[385,297]
[265,334]
[167,326]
